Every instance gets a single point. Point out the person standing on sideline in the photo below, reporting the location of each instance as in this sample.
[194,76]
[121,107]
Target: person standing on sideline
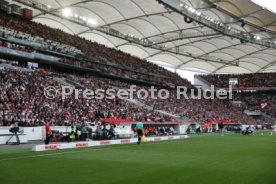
[139,127]
[273,129]
[48,132]
[221,127]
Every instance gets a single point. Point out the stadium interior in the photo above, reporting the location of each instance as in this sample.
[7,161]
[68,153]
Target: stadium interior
[52,52]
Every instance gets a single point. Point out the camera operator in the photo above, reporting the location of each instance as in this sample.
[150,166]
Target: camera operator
[111,131]
[14,129]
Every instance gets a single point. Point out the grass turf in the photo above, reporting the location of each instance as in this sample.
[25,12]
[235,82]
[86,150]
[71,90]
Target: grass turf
[201,159]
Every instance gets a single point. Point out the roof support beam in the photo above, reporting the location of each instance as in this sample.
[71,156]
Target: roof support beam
[267,66]
[244,16]
[207,53]
[182,36]
[181,45]
[220,27]
[112,32]
[127,19]
[237,59]
[164,33]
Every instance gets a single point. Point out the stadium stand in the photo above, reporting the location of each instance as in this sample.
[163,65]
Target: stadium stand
[196,111]
[58,40]
[245,80]
[132,91]
[22,100]
[258,101]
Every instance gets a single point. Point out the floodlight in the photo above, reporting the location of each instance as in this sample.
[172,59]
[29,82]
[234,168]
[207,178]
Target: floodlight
[66,12]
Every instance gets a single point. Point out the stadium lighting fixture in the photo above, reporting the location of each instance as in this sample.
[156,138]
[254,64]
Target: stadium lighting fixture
[266,4]
[76,15]
[192,10]
[257,37]
[66,12]
[190,14]
[198,13]
[92,21]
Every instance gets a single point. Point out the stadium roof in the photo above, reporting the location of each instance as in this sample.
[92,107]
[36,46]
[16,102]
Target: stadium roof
[148,19]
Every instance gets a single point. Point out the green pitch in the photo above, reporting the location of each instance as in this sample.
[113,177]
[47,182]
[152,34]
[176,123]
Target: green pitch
[201,159]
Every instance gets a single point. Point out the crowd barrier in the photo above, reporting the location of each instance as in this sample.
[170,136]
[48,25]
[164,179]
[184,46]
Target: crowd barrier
[102,143]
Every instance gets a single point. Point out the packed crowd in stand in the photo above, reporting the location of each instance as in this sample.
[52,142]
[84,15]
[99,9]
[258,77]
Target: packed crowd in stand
[15,46]
[37,42]
[202,110]
[95,66]
[22,100]
[244,80]
[91,49]
[258,101]
[98,67]
[196,110]
[255,101]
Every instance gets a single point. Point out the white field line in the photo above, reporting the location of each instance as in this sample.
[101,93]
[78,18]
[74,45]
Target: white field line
[86,150]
